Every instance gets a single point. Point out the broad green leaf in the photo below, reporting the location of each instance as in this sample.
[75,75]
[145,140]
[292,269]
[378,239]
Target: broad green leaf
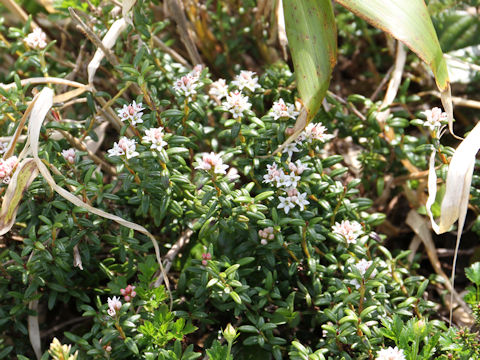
[473,273]
[311,32]
[408,22]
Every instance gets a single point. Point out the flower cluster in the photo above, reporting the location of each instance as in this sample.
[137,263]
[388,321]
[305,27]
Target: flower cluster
[128,293]
[69,155]
[246,80]
[288,182]
[219,89]
[390,354]
[350,231]
[131,112]
[280,109]
[236,103]
[6,168]
[435,118]
[265,235]
[155,137]
[36,39]
[187,85]
[314,132]
[114,306]
[213,162]
[125,147]
[205,257]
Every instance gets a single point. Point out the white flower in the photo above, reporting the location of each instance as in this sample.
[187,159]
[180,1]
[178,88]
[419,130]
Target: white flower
[247,80]
[155,136]
[349,230]
[273,174]
[390,354]
[236,103]
[212,161]
[232,174]
[6,168]
[3,147]
[297,167]
[293,198]
[315,132]
[124,147]
[218,89]
[301,200]
[36,39]
[363,265]
[187,85]
[435,117]
[286,203]
[114,305]
[288,180]
[282,110]
[132,112]
[69,155]
[291,148]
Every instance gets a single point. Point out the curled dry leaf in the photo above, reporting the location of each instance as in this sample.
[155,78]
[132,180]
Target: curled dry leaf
[34,329]
[127,5]
[108,41]
[459,178]
[25,173]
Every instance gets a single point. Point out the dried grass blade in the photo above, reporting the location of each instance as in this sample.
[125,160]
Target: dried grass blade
[108,41]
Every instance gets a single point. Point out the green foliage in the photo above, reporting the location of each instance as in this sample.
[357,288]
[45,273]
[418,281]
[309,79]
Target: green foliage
[256,269]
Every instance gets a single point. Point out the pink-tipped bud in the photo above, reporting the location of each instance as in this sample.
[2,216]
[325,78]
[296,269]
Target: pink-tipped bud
[123,292]
[204,262]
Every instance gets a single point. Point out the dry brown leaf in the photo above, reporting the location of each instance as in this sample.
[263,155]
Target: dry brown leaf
[34,329]
[25,173]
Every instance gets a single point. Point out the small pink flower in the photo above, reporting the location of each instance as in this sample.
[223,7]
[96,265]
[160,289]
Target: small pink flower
[114,305]
[219,89]
[213,162]
[349,230]
[6,168]
[236,103]
[280,109]
[246,79]
[69,155]
[205,257]
[155,137]
[315,132]
[265,235]
[128,293]
[390,354]
[186,86]
[435,118]
[36,39]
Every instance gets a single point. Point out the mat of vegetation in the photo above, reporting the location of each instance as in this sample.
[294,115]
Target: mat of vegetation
[239,179]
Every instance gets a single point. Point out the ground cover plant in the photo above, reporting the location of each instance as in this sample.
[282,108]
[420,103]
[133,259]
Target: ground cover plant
[178,182]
